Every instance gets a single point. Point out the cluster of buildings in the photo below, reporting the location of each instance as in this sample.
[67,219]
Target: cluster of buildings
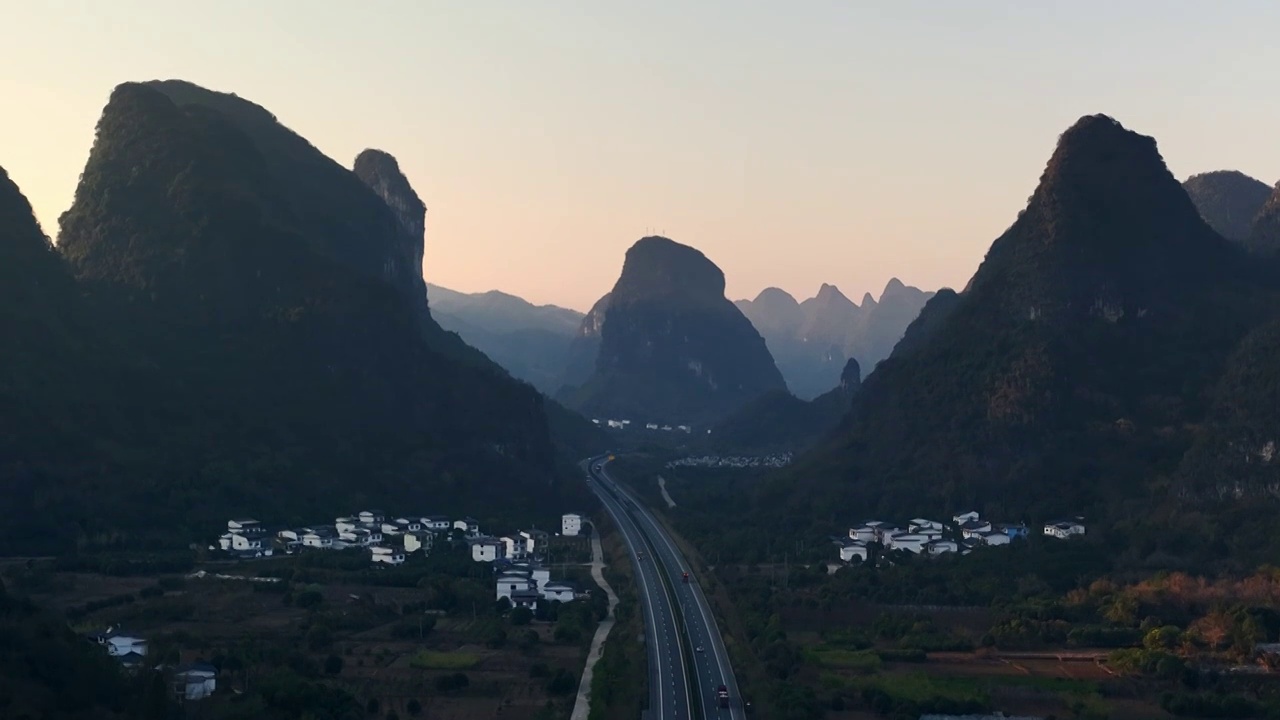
[388,539]
[626,424]
[776,460]
[522,544]
[962,534]
[519,575]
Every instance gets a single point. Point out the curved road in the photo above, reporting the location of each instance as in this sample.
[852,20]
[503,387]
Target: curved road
[698,632]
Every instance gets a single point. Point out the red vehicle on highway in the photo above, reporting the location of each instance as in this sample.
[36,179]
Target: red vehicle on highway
[685,578]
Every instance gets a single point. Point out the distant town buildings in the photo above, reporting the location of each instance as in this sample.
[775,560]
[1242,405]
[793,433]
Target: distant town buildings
[389,539]
[922,536]
[733,461]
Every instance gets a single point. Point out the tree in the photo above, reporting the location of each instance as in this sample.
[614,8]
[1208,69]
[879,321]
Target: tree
[332,665]
[413,707]
[521,616]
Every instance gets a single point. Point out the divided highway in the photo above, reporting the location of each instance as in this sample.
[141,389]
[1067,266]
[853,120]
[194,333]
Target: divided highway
[687,658]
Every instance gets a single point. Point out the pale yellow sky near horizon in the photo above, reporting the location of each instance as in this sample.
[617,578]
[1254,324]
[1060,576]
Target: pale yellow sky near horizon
[794,144]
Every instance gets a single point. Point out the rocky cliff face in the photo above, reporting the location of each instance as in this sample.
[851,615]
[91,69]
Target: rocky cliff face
[381,172]
[672,348]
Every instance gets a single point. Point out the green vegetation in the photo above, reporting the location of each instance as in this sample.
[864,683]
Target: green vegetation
[431,660]
[46,671]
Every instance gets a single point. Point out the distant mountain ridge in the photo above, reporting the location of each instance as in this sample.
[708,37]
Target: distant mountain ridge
[811,340]
[671,347]
[531,341]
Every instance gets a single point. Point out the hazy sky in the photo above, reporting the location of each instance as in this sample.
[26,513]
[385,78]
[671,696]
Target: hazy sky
[794,143]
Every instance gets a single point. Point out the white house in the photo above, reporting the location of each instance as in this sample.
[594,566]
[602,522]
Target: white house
[863,533]
[437,523]
[853,549]
[919,524]
[561,591]
[994,537]
[1064,529]
[965,517]
[570,524]
[245,543]
[361,536]
[909,542]
[319,538]
[245,525]
[343,524]
[468,525]
[532,539]
[886,531]
[194,682]
[524,599]
[370,517]
[408,524]
[388,555]
[418,540]
[938,547]
[511,548]
[293,535]
[510,583]
[119,644]
[488,549]
[974,528]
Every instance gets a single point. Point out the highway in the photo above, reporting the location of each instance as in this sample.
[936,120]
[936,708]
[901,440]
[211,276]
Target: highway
[697,637]
[668,668]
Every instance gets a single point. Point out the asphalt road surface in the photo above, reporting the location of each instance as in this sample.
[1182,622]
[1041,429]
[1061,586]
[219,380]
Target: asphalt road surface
[694,636]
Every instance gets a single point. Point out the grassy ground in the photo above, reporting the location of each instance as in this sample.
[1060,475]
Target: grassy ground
[375,642]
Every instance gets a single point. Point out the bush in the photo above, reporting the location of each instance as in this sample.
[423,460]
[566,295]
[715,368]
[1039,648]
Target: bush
[308,599]
[413,707]
[452,683]
[903,655]
[319,637]
[332,665]
[562,683]
[521,616]
[153,591]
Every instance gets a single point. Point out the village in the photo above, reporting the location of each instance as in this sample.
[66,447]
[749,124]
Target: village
[520,578]
[517,558]
[966,532]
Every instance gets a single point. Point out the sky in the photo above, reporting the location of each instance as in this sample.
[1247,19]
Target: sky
[837,141]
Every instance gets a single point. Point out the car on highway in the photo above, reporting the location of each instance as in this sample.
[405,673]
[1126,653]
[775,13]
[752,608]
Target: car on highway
[698,649]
